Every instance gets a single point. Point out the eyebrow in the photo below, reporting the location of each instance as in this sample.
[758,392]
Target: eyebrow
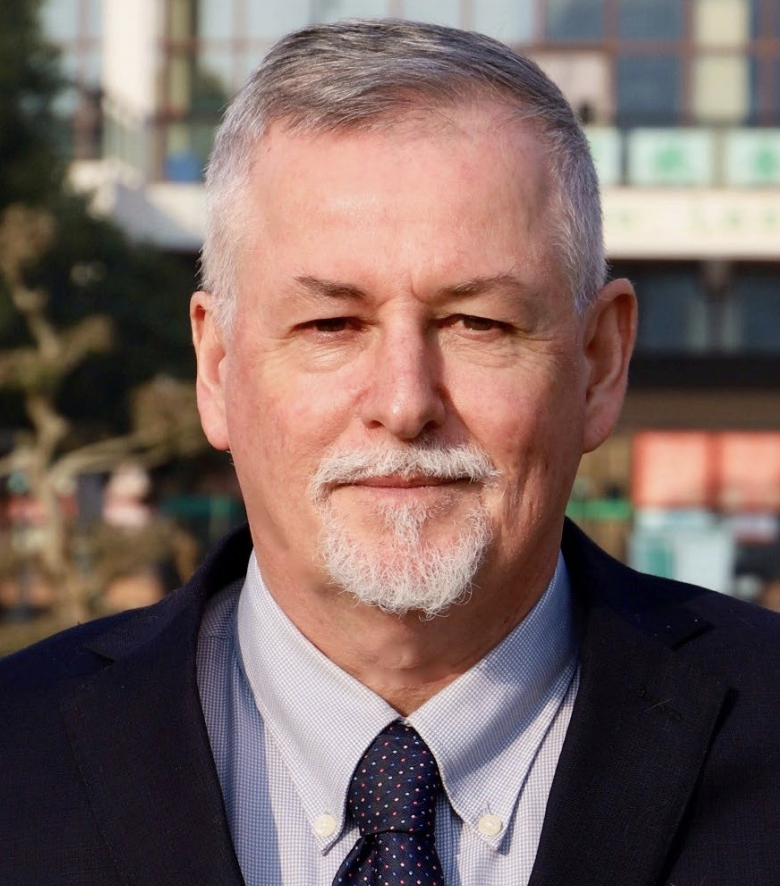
[477,286]
[329,288]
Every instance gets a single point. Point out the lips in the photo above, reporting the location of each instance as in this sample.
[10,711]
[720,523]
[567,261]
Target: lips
[396,482]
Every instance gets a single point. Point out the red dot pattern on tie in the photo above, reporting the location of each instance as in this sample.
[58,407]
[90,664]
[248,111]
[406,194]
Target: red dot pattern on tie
[392,798]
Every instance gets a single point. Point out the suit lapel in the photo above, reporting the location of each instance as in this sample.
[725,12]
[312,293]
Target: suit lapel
[639,734]
[138,734]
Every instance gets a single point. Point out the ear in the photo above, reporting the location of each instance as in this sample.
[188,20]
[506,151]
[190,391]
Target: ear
[609,333]
[210,354]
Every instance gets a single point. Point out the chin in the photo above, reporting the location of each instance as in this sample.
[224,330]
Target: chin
[407,571]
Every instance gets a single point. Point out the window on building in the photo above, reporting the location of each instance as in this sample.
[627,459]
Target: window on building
[575,20]
[673,315]
[212,81]
[755,311]
[651,19]
[75,27]
[330,10]
[61,20]
[721,89]
[677,62]
[705,309]
[510,22]
[649,89]
[442,12]
[271,19]
[215,20]
[721,23]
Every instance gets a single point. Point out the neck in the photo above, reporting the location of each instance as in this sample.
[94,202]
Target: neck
[407,659]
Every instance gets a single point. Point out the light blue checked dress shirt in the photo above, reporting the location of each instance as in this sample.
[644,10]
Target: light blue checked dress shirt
[287,728]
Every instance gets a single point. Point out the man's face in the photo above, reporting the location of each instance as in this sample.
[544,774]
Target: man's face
[398,293]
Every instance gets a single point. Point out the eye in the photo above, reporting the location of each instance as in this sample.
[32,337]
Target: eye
[331,324]
[478,324]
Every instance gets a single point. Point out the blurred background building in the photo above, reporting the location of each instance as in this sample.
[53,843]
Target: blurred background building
[681,102]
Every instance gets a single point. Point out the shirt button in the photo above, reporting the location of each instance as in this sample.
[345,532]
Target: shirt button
[490,825]
[324,825]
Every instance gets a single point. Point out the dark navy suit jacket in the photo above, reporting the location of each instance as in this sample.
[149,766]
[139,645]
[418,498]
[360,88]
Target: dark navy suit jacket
[670,772]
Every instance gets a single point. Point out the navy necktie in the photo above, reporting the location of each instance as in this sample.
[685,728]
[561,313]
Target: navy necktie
[392,798]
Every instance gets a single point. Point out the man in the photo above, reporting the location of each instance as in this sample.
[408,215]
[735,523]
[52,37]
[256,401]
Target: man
[406,342]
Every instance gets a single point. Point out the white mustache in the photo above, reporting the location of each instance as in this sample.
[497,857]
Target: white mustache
[461,462]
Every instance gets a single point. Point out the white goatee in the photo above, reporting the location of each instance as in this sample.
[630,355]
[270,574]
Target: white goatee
[402,571]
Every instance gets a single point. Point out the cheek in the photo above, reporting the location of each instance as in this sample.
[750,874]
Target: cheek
[529,423]
[502,413]
[286,422]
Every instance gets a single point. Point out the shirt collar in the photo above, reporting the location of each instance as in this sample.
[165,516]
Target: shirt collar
[322,719]
[484,729]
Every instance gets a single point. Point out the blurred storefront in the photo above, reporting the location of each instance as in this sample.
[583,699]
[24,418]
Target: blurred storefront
[708,504]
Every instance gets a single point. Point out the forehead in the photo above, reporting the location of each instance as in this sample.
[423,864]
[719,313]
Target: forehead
[455,132]
[460,179]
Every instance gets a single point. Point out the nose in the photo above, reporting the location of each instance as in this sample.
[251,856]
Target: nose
[405,393]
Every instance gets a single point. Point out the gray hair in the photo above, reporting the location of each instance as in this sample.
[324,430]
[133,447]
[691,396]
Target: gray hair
[367,74]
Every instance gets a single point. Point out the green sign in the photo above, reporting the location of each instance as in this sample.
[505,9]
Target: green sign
[752,157]
[659,157]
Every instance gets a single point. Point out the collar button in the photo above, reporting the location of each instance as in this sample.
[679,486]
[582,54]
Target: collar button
[324,825]
[490,825]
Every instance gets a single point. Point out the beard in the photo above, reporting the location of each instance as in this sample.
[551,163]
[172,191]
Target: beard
[401,569]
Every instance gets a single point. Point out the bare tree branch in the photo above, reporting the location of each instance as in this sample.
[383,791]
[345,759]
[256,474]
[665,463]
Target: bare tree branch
[165,421]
